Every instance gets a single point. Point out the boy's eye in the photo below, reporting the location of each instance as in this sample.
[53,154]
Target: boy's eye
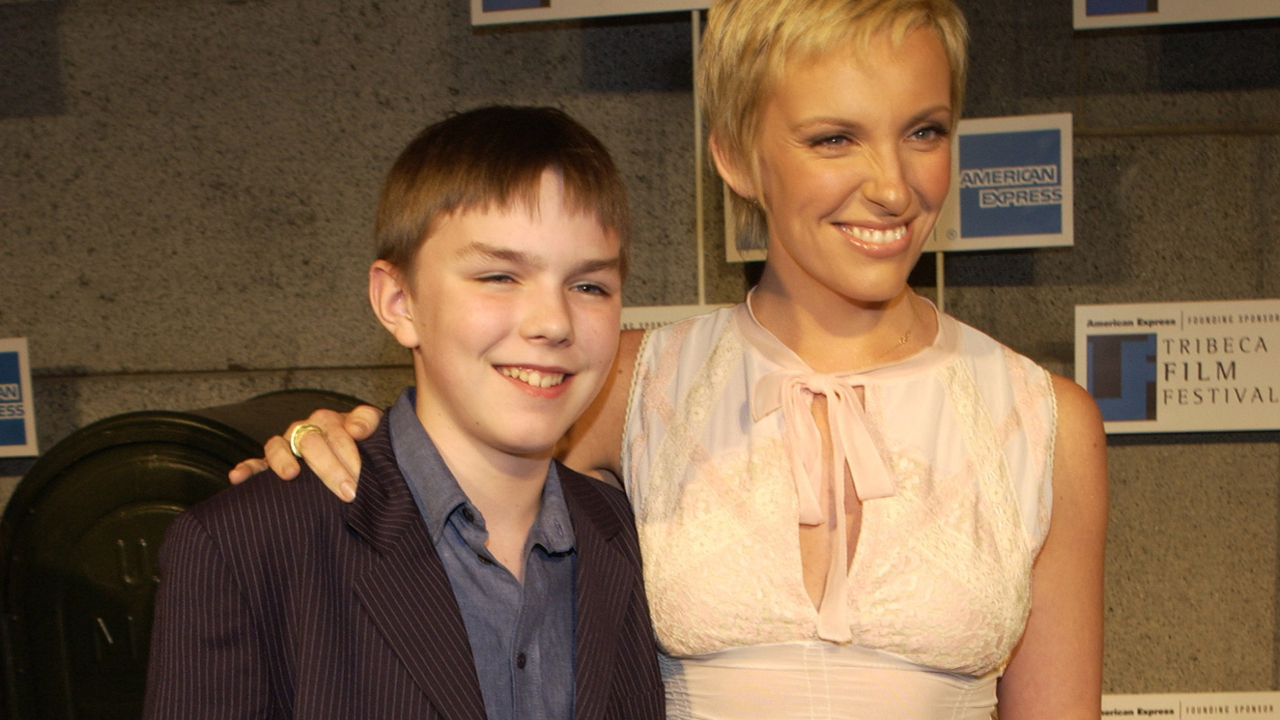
[496,278]
[592,289]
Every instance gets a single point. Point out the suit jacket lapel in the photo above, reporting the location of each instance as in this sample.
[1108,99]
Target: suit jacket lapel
[405,589]
[605,584]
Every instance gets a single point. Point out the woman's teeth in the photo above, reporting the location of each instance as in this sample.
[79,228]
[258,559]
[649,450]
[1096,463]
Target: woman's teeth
[875,237]
[533,377]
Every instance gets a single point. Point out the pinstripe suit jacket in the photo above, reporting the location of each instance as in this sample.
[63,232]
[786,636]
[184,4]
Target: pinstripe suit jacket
[278,600]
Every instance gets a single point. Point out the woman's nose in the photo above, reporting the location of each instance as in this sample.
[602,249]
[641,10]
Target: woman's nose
[887,186]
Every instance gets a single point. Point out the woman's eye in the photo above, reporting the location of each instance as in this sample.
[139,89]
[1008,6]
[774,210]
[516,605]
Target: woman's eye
[929,133]
[829,141]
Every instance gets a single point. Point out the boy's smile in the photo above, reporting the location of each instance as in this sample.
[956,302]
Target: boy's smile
[513,317]
[544,378]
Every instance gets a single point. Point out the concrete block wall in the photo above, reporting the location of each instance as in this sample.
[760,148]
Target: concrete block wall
[186,195]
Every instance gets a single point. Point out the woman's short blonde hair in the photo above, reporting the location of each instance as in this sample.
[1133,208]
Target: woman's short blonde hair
[748,43]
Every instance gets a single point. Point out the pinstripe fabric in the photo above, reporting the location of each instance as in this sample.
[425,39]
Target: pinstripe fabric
[277,600]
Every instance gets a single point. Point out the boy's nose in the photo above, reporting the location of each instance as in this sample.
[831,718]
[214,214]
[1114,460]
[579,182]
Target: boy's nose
[549,320]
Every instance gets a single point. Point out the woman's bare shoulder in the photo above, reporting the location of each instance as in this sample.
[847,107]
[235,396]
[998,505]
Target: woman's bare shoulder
[1079,420]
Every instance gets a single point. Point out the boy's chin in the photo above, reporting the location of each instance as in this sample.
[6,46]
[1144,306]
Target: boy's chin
[537,450]
[542,442]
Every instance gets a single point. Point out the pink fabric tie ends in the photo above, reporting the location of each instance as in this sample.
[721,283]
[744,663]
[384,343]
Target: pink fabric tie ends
[851,447]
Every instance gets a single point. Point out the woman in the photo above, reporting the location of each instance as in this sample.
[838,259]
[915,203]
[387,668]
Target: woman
[850,504]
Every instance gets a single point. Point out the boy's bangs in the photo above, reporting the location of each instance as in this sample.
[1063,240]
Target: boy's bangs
[494,158]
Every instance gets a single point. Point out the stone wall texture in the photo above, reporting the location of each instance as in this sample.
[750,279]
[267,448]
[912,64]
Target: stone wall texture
[186,196]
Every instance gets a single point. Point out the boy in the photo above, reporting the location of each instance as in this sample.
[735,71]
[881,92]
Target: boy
[472,577]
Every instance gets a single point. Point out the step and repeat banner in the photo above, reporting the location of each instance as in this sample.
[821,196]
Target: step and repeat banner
[1128,13]
[1152,368]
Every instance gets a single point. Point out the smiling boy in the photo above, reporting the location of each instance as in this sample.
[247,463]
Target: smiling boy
[472,577]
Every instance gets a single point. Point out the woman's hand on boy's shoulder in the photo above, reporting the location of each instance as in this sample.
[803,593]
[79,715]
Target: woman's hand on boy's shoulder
[330,452]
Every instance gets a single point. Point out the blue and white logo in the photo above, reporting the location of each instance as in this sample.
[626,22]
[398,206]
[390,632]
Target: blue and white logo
[13,430]
[1011,184]
[1120,7]
[1122,376]
[495,5]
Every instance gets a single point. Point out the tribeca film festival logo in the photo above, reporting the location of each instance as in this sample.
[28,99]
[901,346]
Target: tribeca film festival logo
[13,430]
[1122,376]
[1011,184]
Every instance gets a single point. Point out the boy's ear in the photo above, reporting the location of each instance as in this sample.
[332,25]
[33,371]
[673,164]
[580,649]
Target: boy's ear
[389,296]
[739,179]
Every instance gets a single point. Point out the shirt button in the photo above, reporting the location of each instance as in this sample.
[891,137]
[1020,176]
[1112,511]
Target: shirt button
[520,661]
[468,515]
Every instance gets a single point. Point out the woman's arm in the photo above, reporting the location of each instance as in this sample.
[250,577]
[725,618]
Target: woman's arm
[1056,669]
[592,446]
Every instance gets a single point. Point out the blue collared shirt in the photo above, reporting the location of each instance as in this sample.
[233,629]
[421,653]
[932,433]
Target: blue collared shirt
[522,636]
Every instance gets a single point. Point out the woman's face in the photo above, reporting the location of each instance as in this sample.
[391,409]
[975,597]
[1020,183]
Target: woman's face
[853,162]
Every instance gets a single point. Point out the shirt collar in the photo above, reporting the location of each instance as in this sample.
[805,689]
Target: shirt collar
[438,495]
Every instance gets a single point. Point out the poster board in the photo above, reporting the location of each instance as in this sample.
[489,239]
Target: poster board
[497,12]
[1181,367]
[1012,185]
[1090,14]
[17,409]
[1194,706]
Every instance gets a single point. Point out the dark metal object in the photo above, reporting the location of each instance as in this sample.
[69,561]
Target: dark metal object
[78,545]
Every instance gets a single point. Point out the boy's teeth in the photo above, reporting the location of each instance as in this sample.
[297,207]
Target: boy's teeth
[875,237]
[533,377]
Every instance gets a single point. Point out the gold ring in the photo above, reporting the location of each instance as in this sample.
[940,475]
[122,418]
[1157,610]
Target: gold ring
[297,434]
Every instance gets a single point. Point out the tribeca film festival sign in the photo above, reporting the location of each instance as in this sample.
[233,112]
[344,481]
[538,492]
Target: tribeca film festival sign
[1127,13]
[494,12]
[1182,367]
[1011,185]
[1194,706]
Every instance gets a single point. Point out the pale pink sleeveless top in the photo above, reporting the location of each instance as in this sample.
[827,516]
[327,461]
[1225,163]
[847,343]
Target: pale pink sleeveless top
[952,456]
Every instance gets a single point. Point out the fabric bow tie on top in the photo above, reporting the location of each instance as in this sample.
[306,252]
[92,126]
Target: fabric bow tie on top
[851,447]
[851,442]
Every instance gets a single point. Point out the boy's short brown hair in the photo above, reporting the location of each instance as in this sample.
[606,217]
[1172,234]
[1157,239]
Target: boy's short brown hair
[494,157]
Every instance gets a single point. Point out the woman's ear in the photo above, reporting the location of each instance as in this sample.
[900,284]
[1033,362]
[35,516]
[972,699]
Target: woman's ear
[740,179]
[392,303]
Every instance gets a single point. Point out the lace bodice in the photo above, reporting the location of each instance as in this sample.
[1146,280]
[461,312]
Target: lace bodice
[941,572]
